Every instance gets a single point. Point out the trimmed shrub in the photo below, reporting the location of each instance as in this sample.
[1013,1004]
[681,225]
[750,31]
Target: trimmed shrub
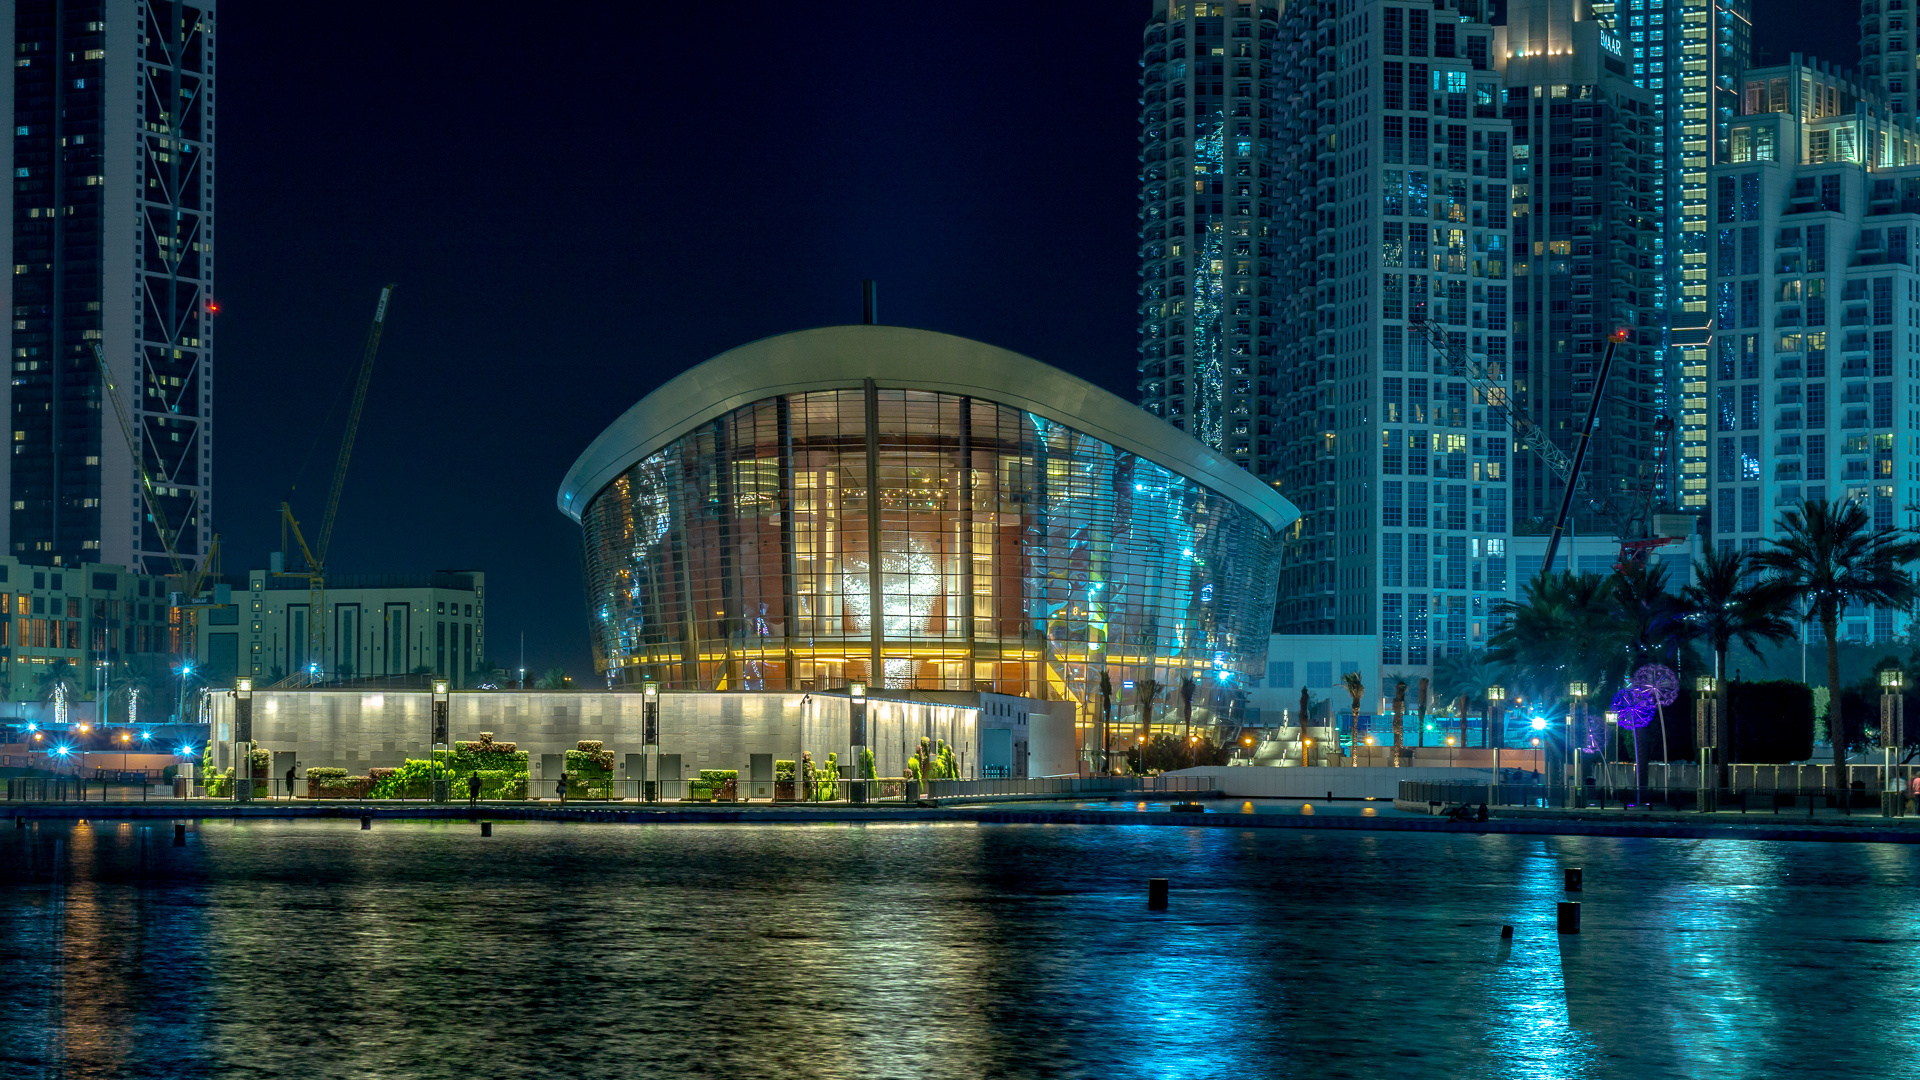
[591,768]
[783,770]
[412,780]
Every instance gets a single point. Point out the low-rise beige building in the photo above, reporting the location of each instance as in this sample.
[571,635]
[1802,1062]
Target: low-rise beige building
[376,624]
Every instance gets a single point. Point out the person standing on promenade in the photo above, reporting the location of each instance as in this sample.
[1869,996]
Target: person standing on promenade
[473,790]
[290,781]
[561,788]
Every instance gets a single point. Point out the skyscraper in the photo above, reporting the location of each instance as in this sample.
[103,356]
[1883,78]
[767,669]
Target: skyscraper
[1689,55]
[1816,362]
[1208,153]
[112,247]
[1445,219]
[1887,51]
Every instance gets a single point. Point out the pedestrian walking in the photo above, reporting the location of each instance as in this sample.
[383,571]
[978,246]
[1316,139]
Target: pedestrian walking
[290,781]
[473,790]
[561,788]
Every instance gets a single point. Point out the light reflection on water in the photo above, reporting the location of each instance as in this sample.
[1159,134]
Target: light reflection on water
[421,950]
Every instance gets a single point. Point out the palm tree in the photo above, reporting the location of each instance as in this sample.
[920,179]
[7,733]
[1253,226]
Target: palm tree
[60,672]
[1830,556]
[1399,717]
[1467,675]
[1356,689]
[1566,628]
[1145,691]
[1106,710]
[1728,601]
[1306,707]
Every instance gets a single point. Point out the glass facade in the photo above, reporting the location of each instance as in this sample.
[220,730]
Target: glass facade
[1016,555]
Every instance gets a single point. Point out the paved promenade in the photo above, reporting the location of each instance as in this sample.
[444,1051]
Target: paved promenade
[1827,826]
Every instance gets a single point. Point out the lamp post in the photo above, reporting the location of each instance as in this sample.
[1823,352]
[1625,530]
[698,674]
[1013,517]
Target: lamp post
[857,737]
[242,739]
[1575,720]
[650,738]
[1893,710]
[1613,728]
[1706,736]
[442,739]
[1495,695]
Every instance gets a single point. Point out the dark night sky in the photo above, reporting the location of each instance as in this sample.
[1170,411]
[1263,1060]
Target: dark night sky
[577,211]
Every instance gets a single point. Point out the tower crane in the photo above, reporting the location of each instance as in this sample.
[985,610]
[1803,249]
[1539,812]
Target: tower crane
[315,554]
[1568,470]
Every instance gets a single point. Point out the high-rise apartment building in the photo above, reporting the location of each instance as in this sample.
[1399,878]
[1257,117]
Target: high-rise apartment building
[1816,360]
[1688,55]
[1444,220]
[111,246]
[1887,51]
[1208,155]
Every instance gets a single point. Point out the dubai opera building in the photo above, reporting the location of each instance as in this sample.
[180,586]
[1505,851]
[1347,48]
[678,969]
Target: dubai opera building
[1031,529]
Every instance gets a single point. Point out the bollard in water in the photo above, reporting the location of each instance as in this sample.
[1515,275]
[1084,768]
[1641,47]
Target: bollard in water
[19,823]
[486,828]
[366,821]
[1506,933]
[1573,878]
[1569,916]
[1157,894]
[179,834]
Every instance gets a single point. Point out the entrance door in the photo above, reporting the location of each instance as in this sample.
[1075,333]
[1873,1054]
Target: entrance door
[760,776]
[670,786]
[636,776]
[282,761]
[551,765]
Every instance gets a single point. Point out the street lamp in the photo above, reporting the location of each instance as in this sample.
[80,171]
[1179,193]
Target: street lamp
[1578,692]
[1893,723]
[242,739]
[1613,729]
[442,738]
[650,736]
[1706,735]
[857,737]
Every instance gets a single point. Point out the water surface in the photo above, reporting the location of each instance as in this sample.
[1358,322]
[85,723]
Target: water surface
[313,949]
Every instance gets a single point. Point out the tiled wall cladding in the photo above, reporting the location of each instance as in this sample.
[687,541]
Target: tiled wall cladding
[1017,555]
[357,730]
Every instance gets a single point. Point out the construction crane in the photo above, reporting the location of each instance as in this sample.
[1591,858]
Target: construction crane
[1526,431]
[191,580]
[315,555]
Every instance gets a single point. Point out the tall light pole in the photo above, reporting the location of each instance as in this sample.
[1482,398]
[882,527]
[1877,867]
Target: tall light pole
[1613,727]
[1578,693]
[1893,717]
[857,737]
[1495,695]
[1706,735]
[242,739]
[650,736]
[442,738]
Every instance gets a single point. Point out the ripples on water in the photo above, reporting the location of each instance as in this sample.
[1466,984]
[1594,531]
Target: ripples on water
[312,949]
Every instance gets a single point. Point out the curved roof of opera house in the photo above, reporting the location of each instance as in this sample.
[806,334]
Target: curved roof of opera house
[900,358]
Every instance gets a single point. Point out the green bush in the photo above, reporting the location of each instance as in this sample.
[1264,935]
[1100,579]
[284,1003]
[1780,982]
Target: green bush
[496,784]
[719,774]
[412,780]
[783,770]
[700,790]
[325,783]
[219,784]
[823,782]
[491,757]
[589,771]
